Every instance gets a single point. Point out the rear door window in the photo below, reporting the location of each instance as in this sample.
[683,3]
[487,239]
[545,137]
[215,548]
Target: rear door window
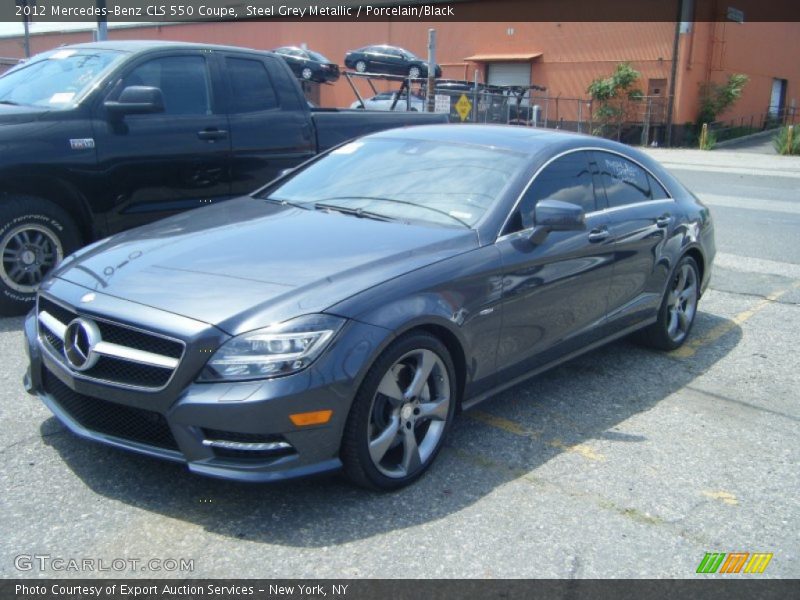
[251,85]
[625,182]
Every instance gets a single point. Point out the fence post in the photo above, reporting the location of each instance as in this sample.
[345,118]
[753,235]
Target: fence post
[703,136]
[789,140]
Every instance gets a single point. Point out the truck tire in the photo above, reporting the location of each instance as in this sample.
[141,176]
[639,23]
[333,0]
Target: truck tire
[35,235]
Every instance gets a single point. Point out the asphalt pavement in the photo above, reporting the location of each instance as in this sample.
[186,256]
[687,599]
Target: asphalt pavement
[622,463]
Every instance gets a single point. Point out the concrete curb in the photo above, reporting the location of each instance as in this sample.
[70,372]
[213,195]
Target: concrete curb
[745,138]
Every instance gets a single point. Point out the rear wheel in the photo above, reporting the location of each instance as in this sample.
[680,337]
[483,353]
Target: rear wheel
[678,309]
[306,73]
[401,414]
[35,235]
[361,66]
[414,72]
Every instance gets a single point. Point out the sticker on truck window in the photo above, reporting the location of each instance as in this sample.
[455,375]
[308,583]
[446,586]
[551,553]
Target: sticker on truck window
[61,54]
[61,98]
[348,148]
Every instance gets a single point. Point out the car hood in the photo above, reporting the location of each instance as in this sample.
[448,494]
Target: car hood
[10,114]
[247,263]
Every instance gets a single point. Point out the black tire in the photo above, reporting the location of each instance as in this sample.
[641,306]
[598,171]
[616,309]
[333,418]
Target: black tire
[30,229]
[355,452]
[658,335]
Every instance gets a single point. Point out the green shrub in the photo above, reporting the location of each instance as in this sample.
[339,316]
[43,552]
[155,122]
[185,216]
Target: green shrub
[711,141]
[781,141]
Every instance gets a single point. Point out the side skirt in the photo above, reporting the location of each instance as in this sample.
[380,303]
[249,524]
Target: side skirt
[472,402]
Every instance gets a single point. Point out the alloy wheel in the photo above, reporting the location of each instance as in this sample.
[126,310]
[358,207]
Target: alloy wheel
[361,66]
[306,73]
[414,72]
[682,303]
[409,413]
[28,253]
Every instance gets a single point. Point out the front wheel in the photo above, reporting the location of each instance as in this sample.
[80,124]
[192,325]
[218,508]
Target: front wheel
[35,235]
[401,414]
[361,66]
[307,74]
[678,309]
[414,72]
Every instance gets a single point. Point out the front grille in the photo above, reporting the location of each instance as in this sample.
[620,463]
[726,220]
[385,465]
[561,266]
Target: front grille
[125,422]
[113,369]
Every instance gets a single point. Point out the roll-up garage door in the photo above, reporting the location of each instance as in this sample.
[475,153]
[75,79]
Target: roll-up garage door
[509,73]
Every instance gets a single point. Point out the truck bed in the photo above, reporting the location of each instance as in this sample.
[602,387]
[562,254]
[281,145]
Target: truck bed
[335,126]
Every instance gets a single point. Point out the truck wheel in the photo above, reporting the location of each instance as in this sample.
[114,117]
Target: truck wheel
[414,72]
[361,66]
[306,73]
[34,236]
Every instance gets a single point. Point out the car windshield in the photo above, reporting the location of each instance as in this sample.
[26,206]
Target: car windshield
[404,179]
[55,79]
[317,56]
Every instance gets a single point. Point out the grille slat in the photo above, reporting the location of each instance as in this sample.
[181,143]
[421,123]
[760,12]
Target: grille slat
[125,422]
[111,369]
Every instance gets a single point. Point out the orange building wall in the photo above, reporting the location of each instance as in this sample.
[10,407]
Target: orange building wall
[573,53]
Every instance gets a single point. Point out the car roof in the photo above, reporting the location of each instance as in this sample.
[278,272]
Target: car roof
[538,143]
[527,140]
[134,46]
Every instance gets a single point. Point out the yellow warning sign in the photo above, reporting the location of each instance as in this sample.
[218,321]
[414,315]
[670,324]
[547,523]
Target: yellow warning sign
[463,107]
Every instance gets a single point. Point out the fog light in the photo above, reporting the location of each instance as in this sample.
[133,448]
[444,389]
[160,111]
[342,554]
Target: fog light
[317,417]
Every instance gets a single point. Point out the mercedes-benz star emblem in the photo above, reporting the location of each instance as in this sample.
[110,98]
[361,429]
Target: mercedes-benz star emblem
[80,339]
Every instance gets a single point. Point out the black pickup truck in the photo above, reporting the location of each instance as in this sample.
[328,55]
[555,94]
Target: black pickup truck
[98,138]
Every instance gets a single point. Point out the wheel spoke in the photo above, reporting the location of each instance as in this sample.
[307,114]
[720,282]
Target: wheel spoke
[436,411]
[390,388]
[681,280]
[411,459]
[683,320]
[672,328]
[381,444]
[425,364]
[10,254]
[688,293]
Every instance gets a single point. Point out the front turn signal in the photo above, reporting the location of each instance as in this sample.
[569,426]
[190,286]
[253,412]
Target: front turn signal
[317,417]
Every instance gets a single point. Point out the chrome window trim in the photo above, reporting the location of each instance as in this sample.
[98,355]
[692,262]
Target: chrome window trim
[57,359]
[501,236]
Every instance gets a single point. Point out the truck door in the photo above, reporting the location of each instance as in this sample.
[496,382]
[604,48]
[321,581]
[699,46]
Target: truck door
[270,123]
[153,165]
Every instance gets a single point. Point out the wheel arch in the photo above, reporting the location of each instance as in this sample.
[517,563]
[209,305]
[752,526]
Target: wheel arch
[56,191]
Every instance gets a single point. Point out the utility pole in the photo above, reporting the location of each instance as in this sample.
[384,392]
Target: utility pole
[26,6]
[431,95]
[673,75]
[102,21]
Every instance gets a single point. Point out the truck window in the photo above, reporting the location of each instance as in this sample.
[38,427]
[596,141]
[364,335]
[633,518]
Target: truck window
[183,80]
[251,86]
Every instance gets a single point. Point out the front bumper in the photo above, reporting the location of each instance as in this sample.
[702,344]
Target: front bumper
[179,422]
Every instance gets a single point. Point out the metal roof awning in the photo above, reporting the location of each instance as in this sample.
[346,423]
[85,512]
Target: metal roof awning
[504,57]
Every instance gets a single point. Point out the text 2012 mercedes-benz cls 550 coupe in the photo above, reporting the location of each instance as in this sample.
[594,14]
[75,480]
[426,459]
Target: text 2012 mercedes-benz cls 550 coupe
[341,315]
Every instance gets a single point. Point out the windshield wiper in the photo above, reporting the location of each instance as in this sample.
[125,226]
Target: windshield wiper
[396,201]
[356,212]
[283,202]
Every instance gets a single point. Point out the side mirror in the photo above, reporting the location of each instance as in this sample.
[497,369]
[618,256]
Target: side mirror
[555,215]
[136,100]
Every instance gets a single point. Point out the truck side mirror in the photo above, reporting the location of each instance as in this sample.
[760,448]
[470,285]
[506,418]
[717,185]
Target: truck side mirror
[136,100]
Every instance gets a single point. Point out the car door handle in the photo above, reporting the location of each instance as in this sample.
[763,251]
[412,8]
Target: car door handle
[598,235]
[663,221]
[212,134]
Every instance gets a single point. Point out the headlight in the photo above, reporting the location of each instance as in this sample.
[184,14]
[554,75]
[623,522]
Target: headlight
[273,351]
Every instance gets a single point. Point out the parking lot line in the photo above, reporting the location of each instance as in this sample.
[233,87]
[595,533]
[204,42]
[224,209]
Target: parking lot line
[690,348]
[517,429]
